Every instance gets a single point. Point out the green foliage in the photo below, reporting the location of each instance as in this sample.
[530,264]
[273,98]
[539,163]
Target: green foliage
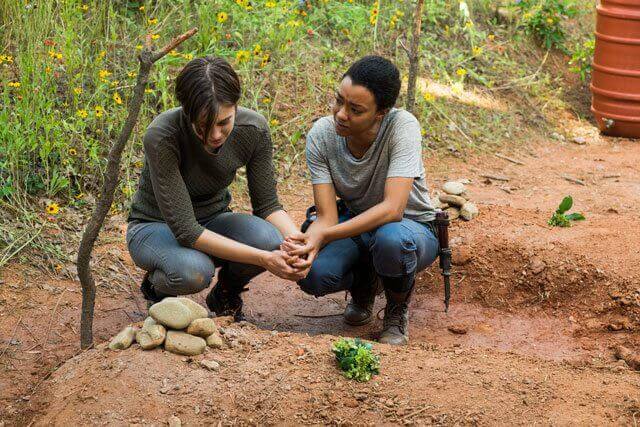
[356,359]
[543,19]
[67,69]
[560,218]
[582,58]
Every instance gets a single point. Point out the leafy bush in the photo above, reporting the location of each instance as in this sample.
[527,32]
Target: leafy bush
[356,359]
[543,20]
[560,218]
[582,58]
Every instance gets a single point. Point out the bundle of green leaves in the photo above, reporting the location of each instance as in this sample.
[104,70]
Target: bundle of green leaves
[560,218]
[356,359]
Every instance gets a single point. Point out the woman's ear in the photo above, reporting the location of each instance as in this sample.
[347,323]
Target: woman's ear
[381,113]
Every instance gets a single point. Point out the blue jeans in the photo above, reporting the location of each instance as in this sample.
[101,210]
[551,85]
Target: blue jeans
[178,270]
[396,251]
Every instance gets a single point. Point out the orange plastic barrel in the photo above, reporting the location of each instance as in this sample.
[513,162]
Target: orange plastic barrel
[615,80]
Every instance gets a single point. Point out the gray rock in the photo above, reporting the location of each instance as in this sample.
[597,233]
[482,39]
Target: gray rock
[451,200]
[215,340]
[149,322]
[197,310]
[172,313]
[211,365]
[454,213]
[182,343]
[174,421]
[580,140]
[454,188]
[557,136]
[202,327]
[469,211]
[151,336]
[124,339]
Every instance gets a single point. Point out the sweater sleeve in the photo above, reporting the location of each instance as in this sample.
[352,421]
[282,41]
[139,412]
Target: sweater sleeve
[261,177]
[169,188]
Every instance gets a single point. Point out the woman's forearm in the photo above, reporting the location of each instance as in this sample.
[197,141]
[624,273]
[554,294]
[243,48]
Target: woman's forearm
[283,222]
[220,246]
[370,219]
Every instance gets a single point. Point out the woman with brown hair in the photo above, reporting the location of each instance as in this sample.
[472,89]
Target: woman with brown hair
[180,225]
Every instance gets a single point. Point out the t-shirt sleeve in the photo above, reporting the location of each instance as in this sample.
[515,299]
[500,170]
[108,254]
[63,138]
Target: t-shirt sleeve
[316,158]
[405,158]
[169,188]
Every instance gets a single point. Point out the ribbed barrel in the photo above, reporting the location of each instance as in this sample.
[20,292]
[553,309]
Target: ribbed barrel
[615,82]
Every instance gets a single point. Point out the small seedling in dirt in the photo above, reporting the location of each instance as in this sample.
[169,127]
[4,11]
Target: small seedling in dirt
[356,359]
[560,218]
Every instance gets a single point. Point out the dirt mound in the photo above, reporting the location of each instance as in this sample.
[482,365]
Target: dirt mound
[289,378]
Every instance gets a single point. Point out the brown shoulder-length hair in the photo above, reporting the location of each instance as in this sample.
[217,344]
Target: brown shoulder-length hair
[203,85]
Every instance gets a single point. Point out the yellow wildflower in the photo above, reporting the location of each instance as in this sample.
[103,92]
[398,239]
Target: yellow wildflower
[188,56]
[14,84]
[266,100]
[102,54]
[243,55]
[139,47]
[53,209]
[152,21]
[77,90]
[274,122]
[82,114]
[72,152]
[103,74]
[477,51]
[131,74]
[148,90]
[79,196]
[257,49]
[116,98]
[98,110]
[491,37]
[549,20]
[84,7]
[155,36]
[141,8]
[222,17]
[461,72]
[270,4]
[138,164]
[173,52]
[52,53]
[115,83]
[429,97]
[265,60]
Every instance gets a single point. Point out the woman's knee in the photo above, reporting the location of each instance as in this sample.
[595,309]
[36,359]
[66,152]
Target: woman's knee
[321,281]
[190,277]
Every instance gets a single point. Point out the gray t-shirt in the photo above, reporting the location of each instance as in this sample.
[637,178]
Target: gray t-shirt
[396,152]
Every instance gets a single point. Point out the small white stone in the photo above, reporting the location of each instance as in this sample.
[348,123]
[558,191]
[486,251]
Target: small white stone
[453,187]
[211,365]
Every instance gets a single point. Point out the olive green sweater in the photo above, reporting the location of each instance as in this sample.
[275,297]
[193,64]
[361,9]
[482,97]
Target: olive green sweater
[185,186]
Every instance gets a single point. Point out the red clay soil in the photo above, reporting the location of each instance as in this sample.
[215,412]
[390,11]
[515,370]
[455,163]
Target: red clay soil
[536,314]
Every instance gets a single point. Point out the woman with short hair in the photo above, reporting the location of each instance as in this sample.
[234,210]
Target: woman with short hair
[369,155]
[180,225]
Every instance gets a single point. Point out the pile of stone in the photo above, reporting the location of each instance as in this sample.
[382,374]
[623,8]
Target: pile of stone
[181,324]
[455,200]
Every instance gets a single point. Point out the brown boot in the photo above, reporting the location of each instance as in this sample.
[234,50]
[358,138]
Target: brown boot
[395,326]
[359,311]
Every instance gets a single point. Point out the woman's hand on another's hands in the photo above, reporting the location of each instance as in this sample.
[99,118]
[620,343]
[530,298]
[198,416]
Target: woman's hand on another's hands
[277,262]
[305,246]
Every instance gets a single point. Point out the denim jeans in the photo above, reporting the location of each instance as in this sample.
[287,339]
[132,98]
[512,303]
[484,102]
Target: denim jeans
[178,270]
[396,251]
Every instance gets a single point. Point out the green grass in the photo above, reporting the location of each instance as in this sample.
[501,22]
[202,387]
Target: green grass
[75,63]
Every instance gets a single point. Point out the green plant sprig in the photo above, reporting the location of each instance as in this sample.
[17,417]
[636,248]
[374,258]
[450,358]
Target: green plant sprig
[356,359]
[560,218]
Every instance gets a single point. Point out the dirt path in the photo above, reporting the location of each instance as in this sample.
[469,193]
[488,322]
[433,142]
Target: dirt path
[531,298]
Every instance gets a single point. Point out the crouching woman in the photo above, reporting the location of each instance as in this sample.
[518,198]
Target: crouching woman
[180,225]
[368,154]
